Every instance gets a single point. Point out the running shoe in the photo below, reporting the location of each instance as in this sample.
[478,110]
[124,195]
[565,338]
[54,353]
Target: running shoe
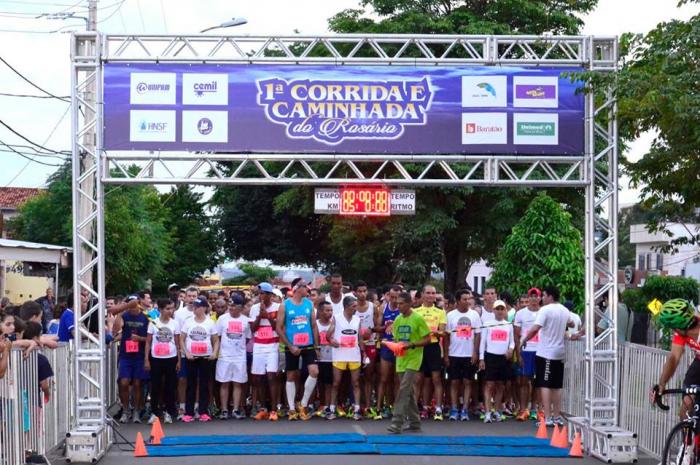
[424,414]
[223,415]
[187,419]
[293,416]
[204,418]
[167,418]
[321,412]
[274,416]
[438,415]
[394,429]
[487,417]
[357,416]
[454,414]
[386,413]
[340,411]
[534,415]
[261,415]
[237,415]
[500,416]
[280,412]
[213,411]
[464,415]
[558,420]
[180,414]
[304,414]
[377,417]
[152,419]
[548,423]
[523,415]
[196,414]
[331,416]
[137,417]
[507,411]
[124,418]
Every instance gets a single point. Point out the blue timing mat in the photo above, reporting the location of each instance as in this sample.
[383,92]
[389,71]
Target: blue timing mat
[263,449]
[338,438]
[515,441]
[472,451]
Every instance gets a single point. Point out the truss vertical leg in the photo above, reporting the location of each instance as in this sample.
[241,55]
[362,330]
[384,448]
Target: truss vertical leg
[88,438]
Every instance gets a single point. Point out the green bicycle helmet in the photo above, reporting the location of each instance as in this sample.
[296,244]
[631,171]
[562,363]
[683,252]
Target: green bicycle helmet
[676,314]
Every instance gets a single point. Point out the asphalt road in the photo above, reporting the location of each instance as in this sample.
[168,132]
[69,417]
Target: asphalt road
[116,456]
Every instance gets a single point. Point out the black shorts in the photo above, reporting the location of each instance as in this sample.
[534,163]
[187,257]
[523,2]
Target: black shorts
[497,367]
[461,368]
[325,372]
[692,376]
[549,373]
[307,356]
[432,359]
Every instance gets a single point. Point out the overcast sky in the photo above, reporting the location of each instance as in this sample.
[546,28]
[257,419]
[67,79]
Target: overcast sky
[44,57]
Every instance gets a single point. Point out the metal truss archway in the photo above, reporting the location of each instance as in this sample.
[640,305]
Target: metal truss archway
[93,168]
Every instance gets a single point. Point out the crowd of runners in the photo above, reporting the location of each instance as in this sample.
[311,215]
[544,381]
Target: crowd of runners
[268,353]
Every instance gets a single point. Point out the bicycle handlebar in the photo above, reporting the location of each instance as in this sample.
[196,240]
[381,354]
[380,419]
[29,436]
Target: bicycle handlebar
[690,390]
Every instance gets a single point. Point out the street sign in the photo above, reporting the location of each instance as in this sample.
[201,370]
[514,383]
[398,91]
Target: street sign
[364,201]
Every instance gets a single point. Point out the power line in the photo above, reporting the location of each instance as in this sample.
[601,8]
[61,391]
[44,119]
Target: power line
[120,4]
[23,2]
[6,94]
[32,83]
[13,131]
[26,156]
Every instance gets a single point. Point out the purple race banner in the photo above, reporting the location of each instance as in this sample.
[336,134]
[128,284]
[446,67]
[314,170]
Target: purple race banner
[343,109]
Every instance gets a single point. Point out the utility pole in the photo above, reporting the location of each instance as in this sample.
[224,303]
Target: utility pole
[92,15]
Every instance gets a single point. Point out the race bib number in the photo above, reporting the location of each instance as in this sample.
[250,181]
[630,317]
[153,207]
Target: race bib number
[535,338]
[161,349]
[131,347]
[301,339]
[464,332]
[199,348]
[348,341]
[498,335]
[235,327]
[323,335]
[263,332]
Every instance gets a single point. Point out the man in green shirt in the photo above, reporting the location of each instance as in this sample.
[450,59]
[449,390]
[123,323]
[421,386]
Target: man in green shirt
[413,333]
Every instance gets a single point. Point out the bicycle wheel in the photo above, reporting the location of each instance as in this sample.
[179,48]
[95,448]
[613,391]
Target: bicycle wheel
[681,446]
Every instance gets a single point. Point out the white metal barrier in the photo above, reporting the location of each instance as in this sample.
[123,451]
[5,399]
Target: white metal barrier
[27,422]
[640,368]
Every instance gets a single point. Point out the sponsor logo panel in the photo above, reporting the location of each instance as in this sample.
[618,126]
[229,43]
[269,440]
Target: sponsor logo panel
[204,89]
[535,129]
[205,126]
[484,128]
[484,91]
[536,91]
[152,126]
[153,89]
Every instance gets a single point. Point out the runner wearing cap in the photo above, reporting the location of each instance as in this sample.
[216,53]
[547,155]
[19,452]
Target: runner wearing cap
[436,319]
[233,329]
[495,351]
[263,324]
[200,344]
[388,378]
[524,320]
[296,326]
[348,352]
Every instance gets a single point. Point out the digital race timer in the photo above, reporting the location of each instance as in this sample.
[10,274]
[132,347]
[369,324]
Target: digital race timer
[365,201]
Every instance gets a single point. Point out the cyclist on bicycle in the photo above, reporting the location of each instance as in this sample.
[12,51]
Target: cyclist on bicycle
[679,316]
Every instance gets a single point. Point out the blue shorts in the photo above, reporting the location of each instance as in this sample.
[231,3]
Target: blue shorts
[528,369]
[132,368]
[183,368]
[386,354]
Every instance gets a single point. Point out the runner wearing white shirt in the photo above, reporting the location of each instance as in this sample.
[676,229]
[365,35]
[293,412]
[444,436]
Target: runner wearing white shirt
[163,361]
[263,321]
[200,343]
[495,351]
[336,296]
[462,358]
[233,329]
[524,320]
[181,315]
[324,318]
[551,323]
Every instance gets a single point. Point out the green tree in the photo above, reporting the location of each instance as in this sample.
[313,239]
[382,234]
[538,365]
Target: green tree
[453,227]
[195,237]
[253,274]
[544,249]
[657,90]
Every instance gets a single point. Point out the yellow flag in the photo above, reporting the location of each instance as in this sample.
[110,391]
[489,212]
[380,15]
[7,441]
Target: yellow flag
[654,306]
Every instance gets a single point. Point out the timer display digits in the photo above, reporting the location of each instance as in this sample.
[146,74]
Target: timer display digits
[365,201]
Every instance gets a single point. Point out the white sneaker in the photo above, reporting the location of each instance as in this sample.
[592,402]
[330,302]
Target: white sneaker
[167,418]
[136,417]
[152,419]
[487,417]
[124,418]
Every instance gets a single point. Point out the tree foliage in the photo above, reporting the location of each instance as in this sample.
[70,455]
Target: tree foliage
[658,91]
[666,288]
[253,274]
[544,249]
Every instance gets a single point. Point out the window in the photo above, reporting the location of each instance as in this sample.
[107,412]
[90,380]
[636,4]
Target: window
[476,284]
[640,264]
[659,261]
[648,266]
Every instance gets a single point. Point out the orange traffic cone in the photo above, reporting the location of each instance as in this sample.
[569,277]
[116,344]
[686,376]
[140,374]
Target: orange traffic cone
[555,436]
[562,441]
[542,431]
[576,449]
[157,432]
[140,450]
